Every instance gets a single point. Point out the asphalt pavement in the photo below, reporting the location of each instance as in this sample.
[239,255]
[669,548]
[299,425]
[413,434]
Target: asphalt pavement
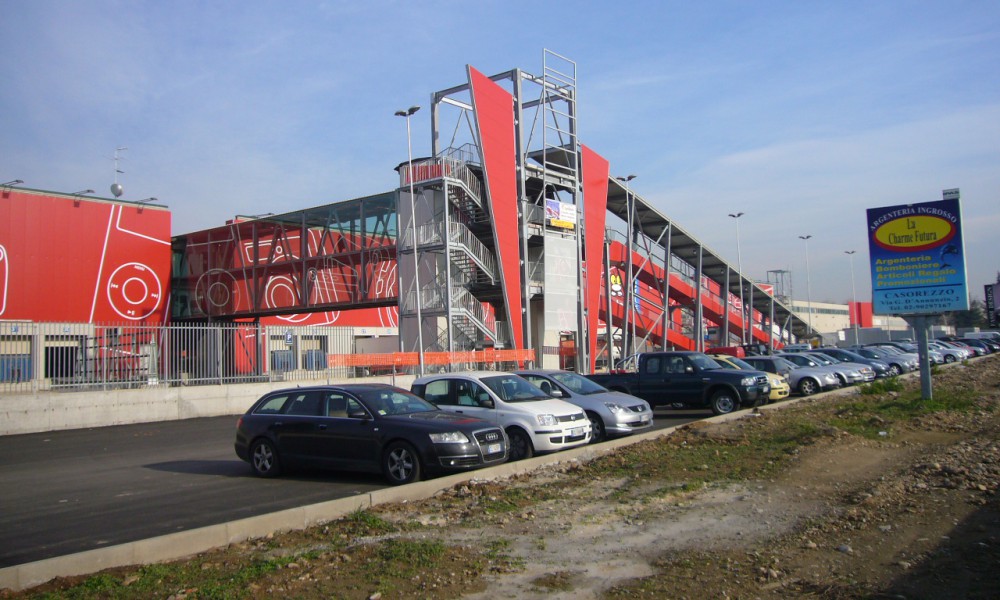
[69,491]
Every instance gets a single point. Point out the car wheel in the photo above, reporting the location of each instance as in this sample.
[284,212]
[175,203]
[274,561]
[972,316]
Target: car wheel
[808,386]
[400,463]
[842,380]
[949,358]
[597,431]
[724,402]
[894,370]
[520,444]
[264,459]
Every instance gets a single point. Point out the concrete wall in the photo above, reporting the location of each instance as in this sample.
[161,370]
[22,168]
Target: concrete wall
[52,411]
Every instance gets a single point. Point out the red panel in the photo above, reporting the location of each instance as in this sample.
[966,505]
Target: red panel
[595,211]
[494,111]
[82,261]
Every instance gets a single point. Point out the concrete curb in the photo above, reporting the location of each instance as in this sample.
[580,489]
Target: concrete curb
[183,544]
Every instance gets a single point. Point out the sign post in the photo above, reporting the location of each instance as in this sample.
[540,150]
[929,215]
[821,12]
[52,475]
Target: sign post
[917,259]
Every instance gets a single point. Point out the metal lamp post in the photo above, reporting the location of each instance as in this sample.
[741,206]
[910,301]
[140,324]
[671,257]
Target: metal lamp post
[739,268]
[406,114]
[809,306]
[628,341]
[854,297]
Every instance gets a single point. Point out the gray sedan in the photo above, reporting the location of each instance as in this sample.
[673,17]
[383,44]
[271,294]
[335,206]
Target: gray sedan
[611,414]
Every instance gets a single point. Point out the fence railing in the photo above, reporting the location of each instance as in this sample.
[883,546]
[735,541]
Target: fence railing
[108,356]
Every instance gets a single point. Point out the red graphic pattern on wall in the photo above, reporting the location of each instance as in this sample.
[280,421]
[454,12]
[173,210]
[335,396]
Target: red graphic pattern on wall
[82,261]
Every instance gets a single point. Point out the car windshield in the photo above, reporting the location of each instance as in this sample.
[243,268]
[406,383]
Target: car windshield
[822,359]
[578,383]
[394,402]
[742,364]
[511,388]
[703,362]
[781,363]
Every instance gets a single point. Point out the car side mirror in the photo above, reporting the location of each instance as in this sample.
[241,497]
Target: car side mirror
[485,401]
[358,413]
[689,369]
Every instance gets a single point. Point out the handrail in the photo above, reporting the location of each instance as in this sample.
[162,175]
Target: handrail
[463,236]
[436,168]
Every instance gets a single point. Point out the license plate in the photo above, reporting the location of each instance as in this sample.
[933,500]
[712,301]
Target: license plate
[576,431]
[494,449]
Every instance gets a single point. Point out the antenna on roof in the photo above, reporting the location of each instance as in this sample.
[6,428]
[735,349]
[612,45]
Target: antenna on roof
[116,188]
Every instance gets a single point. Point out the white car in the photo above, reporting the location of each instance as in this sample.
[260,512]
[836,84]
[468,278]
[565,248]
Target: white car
[534,421]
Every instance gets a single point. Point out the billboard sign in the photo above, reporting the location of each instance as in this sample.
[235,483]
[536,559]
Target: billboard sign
[917,258]
[560,214]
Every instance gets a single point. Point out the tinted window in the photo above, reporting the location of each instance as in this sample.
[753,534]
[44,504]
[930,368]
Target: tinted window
[272,405]
[306,405]
[436,392]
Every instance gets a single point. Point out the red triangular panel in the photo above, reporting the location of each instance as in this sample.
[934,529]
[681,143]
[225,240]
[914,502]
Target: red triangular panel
[493,108]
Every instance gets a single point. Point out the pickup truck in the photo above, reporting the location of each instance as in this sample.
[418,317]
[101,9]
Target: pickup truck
[689,379]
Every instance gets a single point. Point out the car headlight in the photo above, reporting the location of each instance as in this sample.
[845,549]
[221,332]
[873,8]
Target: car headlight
[617,409]
[747,381]
[449,437]
[546,420]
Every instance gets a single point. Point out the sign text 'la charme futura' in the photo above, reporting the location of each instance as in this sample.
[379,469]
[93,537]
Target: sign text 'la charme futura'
[917,258]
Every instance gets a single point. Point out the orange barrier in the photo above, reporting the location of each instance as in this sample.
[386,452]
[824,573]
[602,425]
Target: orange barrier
[412,359]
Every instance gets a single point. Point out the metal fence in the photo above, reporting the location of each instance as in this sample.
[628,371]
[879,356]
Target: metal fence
[89,356]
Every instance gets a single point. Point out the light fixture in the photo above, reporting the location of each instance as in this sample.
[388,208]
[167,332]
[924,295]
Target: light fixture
[406,114]
[142,203]
[739,269]
[809,307]
[854,298]
[76,199]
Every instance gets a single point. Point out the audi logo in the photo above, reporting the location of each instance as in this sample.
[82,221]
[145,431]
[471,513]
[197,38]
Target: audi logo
[492,437]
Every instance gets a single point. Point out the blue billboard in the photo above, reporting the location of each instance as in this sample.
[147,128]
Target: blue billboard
[917,258]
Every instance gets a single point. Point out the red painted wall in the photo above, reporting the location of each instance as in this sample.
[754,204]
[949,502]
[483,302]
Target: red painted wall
[82,261]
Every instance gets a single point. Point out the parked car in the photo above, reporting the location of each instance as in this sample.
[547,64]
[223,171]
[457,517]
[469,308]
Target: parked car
[898,363]
[962,349]
[363,427]
[855,372]
[912,359]
[689,379]
[779,383]
[981,347]
[845,376]
[950,354]
[804,380]
[932,355]
[611,414]
[534,421]
[881,369]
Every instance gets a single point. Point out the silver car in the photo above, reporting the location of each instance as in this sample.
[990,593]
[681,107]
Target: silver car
[856,372]
[804,380]
[611,414]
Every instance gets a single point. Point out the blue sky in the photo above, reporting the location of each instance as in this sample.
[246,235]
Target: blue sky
[799,114]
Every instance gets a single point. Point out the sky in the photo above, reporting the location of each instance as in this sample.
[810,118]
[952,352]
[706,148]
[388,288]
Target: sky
[799,114]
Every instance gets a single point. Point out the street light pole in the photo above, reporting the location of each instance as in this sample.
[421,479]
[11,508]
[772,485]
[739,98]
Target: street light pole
[854,297]
[809,306]
[406,114]
[739,268]
[628,337]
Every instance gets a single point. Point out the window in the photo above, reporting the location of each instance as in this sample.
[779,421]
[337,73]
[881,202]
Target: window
[272,405]
[336,405]
[653,365]
[303,404]
[436,392]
